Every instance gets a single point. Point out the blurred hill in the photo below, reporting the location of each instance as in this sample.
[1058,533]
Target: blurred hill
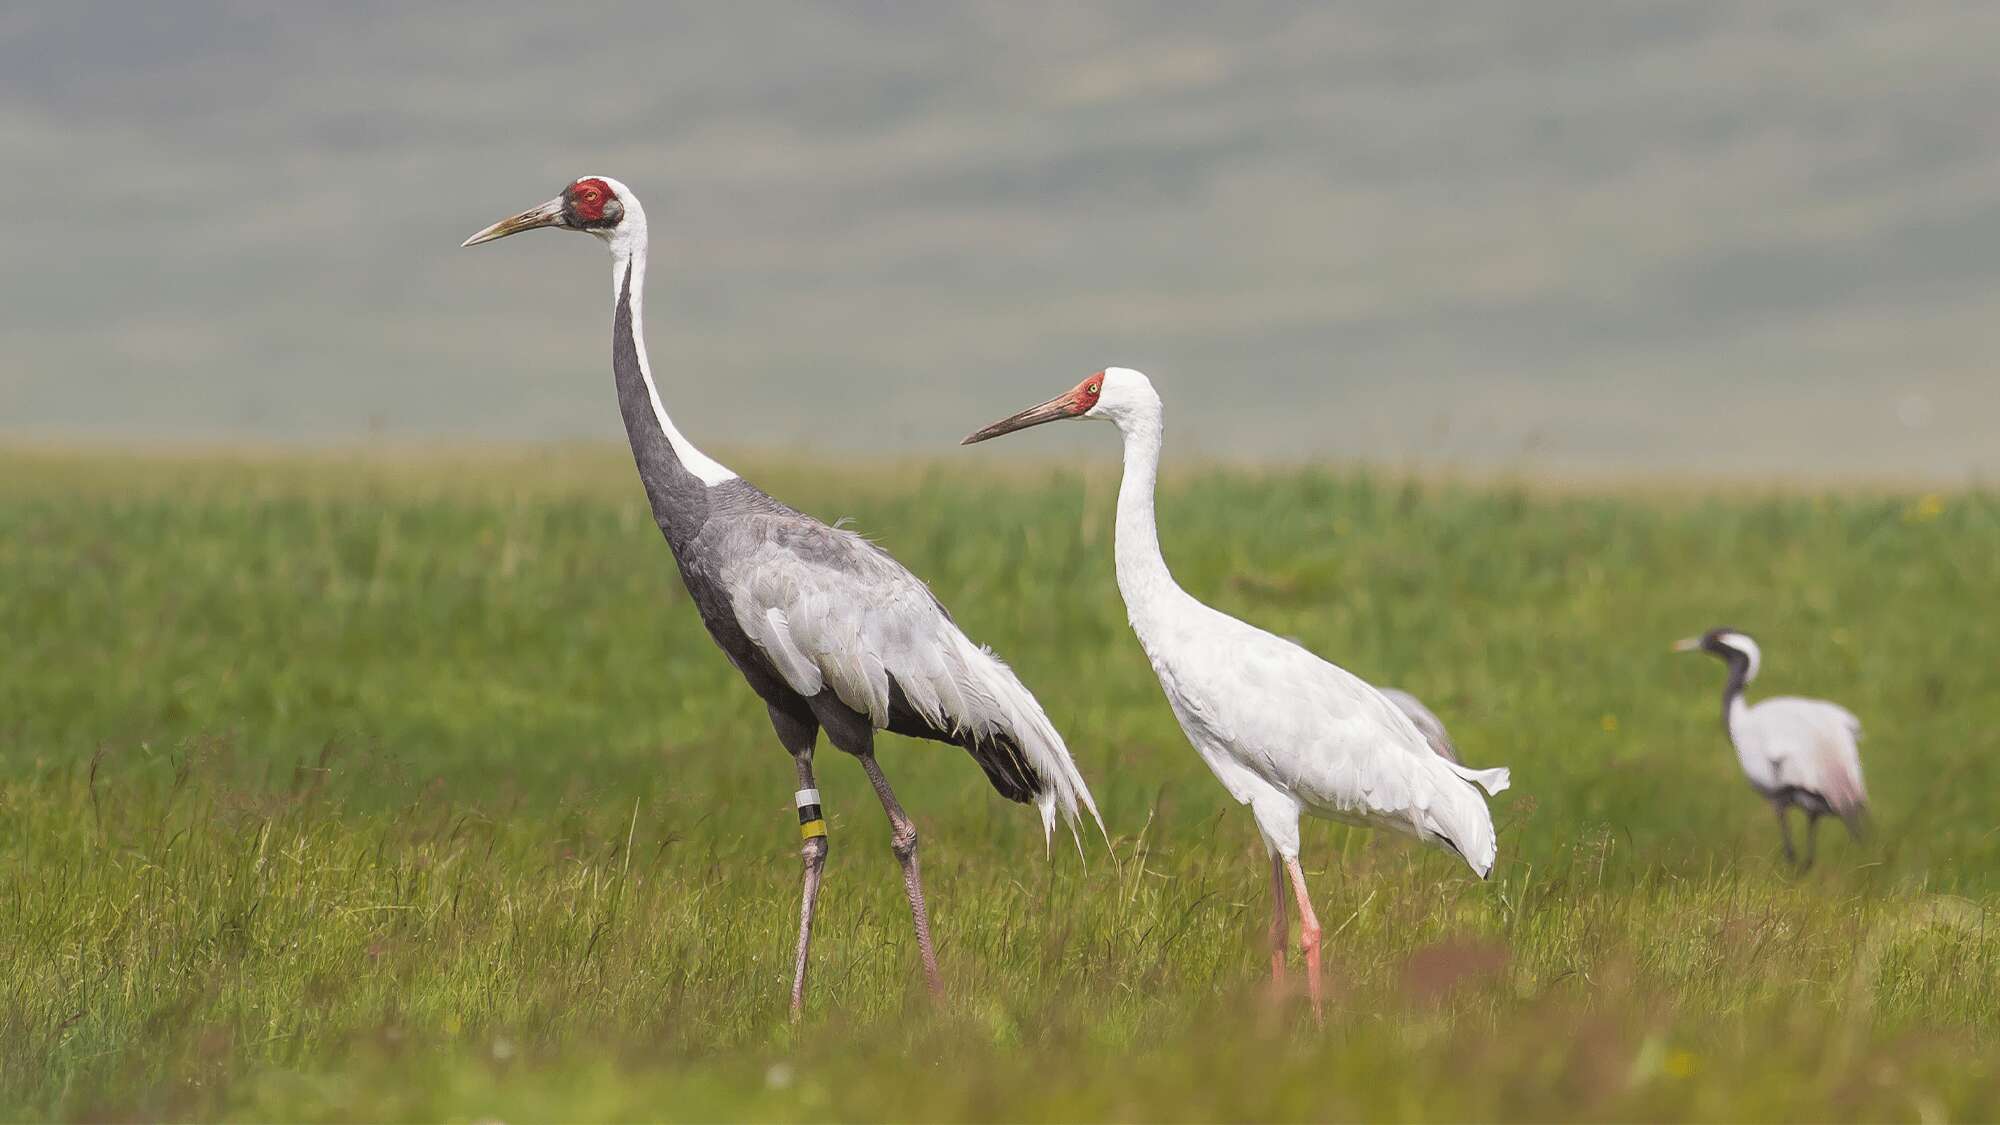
[1567,235]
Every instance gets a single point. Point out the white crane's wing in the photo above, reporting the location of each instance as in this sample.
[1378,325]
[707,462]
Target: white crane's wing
[1316,731]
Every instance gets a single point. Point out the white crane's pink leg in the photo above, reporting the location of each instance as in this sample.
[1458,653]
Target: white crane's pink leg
[1279,923]
[1308,936]
[903,839]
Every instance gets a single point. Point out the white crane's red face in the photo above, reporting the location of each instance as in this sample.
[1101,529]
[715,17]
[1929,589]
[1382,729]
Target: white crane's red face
[592,204]
[1076,402]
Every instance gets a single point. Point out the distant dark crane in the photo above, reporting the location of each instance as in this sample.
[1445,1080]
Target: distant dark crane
[1797,753]
[829,630]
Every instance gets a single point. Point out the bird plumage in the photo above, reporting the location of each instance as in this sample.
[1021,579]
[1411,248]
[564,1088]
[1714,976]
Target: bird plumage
[832,612]
[1287,732]
[1806,751]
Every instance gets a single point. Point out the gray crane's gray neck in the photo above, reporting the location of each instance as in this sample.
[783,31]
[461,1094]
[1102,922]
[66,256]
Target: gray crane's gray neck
[677,476]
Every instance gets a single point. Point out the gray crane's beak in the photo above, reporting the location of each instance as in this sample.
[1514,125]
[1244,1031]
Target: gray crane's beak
[547,215]
[1686,644]
[1060,407]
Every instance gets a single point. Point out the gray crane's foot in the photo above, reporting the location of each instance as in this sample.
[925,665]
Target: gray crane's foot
[814,854]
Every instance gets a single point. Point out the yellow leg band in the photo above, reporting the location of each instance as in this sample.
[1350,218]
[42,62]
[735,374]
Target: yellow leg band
[812,828]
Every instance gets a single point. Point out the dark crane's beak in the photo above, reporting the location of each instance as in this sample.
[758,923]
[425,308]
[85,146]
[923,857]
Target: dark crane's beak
[549,214]
[1062,406]
[1686,644]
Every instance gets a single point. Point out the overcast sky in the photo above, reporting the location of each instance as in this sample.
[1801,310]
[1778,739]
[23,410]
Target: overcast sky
[1739,237]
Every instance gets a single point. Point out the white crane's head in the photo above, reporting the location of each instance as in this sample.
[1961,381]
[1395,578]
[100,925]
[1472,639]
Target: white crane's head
[1115,394]
[596,205]
[1729,646]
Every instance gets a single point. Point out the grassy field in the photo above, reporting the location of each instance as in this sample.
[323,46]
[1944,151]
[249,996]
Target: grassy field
[409,787]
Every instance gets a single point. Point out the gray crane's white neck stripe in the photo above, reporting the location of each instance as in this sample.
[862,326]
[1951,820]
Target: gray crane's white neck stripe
[628,279]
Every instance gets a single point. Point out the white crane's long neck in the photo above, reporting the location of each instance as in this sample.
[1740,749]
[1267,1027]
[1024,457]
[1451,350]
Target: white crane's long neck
[1143,579]
[676,474]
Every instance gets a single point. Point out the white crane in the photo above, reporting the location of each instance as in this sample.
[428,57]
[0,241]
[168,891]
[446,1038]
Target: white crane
[1284,731]
[828,629]
[1797,753]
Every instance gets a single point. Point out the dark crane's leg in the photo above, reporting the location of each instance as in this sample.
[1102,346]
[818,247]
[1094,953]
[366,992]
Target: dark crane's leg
[1812,840]
[798,737]
[1785,832]
[903,838]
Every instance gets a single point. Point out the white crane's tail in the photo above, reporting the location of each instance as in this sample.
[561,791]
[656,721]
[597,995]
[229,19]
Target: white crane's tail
[1494,781]
[1457,816]
[999,704]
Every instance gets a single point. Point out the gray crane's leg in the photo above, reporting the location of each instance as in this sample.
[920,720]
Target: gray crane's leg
[1812,841]
[1785,832]
[903,838]
[1280,925]
[1308,937]
[798,737]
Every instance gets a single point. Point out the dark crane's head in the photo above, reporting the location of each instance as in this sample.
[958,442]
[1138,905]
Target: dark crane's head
[1732,647]
[596,205]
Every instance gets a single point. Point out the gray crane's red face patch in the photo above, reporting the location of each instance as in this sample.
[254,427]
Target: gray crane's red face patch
[590,204]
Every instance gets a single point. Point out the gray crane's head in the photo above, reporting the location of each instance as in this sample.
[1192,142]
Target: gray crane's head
[596,205]
[1115,394]
[1729,646]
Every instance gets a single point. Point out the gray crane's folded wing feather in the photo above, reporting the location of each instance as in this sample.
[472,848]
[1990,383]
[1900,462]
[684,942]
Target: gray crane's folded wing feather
[834,612]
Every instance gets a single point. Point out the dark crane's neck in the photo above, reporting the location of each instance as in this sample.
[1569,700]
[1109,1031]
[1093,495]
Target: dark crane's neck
[1732,692]
[677,476]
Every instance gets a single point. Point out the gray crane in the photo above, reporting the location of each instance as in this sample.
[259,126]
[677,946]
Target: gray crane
[1427,722]
[828,630]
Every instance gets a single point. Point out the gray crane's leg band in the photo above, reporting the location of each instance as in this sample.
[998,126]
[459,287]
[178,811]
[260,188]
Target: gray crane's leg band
[812,824]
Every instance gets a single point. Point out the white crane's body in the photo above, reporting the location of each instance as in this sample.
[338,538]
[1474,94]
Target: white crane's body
[1795,752]
[1285,732]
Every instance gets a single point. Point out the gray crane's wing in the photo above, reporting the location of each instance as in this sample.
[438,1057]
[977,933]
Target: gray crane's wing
[834,612]
[1427,723]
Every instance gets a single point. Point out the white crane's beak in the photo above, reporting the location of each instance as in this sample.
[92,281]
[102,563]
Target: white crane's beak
[547,215]
[1062,406]
[1686,644]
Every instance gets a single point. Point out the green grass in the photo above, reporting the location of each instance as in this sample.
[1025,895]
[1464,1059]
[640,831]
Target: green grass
[408,787]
